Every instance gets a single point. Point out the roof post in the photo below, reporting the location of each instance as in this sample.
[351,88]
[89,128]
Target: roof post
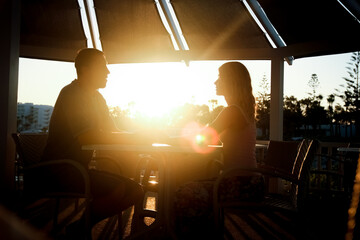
[9,67]
[277,102]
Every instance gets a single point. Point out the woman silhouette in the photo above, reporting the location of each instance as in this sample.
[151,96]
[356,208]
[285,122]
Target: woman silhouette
[236,127]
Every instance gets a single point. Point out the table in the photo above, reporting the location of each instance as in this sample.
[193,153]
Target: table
[170,160]
[170,156]
[349,149]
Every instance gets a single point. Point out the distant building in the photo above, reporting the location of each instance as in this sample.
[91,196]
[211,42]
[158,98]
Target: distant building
[33,118]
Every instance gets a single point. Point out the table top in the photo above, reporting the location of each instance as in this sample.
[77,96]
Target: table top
[155,147]
[349,149]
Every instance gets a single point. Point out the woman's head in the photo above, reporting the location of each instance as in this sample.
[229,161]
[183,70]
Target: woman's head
[234,83]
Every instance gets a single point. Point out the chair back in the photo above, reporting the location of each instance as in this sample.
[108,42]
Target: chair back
[303,158]
[29,147]
[281,155]
[291,159]
[301,172]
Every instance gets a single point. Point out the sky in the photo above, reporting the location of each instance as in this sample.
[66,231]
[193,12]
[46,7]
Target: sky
[154,88]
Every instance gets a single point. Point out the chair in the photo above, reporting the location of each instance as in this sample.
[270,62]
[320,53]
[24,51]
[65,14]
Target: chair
[278,155]
[288,161]
[332,173]
[29,148]
[279,158]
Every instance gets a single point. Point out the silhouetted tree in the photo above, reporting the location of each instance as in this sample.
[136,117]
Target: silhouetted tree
[350,94]
[293,118]
[313,83]
[314,112]
[330,112]
[353,83]
[338,118]
[213,103]
[263,108]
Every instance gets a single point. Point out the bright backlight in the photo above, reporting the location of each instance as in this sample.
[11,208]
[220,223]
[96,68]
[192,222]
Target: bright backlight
[153,90]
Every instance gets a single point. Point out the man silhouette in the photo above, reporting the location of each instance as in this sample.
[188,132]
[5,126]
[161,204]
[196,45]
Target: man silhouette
[80,117]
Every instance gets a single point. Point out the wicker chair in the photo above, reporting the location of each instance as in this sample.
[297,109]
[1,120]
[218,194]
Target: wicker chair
[29,149]
[287,161]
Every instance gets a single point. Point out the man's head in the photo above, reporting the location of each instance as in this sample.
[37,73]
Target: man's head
[91,68]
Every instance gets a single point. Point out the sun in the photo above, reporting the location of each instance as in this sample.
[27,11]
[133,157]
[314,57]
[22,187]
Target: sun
[154,89]
[150,89]
[152,106]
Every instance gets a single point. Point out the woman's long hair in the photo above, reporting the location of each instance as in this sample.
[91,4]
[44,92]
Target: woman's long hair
[238,87]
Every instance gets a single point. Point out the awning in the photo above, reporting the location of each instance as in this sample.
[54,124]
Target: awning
[132,31]
[51,30]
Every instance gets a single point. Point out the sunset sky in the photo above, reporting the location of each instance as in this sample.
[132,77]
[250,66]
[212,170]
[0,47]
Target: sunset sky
[157,87]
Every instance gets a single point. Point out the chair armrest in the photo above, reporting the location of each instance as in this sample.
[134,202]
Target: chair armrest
[246,172]
[260,171]
[277,173]
[75,165]
[117,168]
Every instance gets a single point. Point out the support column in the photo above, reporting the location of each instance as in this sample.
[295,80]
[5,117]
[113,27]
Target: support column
[277,95]
[9,67]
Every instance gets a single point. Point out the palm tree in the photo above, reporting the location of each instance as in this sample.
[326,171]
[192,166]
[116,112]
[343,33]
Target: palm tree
[331,100]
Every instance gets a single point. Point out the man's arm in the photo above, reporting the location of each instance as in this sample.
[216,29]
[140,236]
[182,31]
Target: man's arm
[101,137]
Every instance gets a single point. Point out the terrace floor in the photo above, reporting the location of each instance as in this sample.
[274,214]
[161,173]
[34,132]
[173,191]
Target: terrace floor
[322,219]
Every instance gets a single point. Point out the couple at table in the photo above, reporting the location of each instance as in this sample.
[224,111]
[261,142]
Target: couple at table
[81,117]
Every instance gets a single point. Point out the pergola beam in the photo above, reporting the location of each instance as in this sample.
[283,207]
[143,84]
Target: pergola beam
[269,28]
[91,24]
[173,24]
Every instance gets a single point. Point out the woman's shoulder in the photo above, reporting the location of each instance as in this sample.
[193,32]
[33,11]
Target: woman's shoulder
[237,110]
[229,112]
[234,110]
[235,106]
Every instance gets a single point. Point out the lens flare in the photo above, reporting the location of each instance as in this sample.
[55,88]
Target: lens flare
[199,137]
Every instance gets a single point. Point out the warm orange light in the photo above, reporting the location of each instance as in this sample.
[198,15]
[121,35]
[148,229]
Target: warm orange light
[160,145]
[200,137]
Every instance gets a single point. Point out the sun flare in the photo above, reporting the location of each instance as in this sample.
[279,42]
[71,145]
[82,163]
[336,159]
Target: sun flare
[158,88]
[154,89]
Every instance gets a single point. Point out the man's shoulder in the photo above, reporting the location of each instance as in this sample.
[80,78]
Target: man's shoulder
[99,95]
[70,88]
